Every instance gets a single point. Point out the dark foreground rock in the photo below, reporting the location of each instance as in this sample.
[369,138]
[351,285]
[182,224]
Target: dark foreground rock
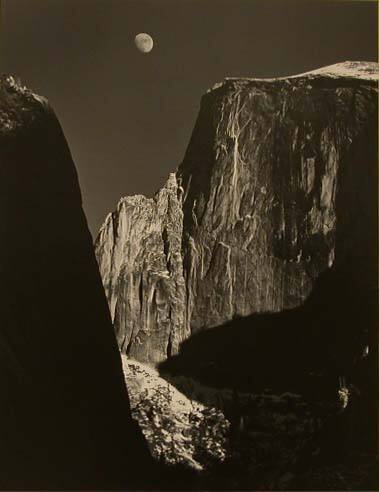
[65,421]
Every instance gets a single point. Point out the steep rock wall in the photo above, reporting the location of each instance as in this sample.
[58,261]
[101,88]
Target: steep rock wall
[65,419]
[273,192]
[139,253]
[262,181]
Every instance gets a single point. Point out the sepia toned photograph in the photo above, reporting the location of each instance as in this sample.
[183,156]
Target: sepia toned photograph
[189,245]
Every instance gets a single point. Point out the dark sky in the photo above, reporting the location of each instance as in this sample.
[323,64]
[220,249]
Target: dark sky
[128,116]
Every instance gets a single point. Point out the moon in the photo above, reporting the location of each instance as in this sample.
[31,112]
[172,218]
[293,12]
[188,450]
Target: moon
[144,42]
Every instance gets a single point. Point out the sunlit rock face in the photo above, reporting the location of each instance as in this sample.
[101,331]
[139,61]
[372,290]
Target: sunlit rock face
[273,191]
[139,253]
[262,181]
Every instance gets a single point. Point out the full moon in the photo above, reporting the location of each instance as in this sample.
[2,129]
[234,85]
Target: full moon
[144,42]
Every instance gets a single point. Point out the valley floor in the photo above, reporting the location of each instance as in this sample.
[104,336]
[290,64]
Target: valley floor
[222,439]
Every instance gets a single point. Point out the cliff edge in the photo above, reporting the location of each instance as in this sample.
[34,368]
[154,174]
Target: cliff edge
[65,416]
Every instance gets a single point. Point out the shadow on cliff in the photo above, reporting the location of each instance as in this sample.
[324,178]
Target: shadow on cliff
[313,350]
[326,337]
[331,339]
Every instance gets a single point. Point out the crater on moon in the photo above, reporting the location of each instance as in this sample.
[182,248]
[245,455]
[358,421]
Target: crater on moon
[144,42]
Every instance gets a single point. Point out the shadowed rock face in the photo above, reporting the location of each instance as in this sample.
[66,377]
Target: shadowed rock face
[65,420]
[274,189]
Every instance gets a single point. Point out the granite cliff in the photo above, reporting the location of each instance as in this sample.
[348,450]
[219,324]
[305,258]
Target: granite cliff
[276,187]
[140,260]
[65,417]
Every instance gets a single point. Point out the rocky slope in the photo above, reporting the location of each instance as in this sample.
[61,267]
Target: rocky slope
[212,439]
[179,430]
[65,419]
[275,188]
